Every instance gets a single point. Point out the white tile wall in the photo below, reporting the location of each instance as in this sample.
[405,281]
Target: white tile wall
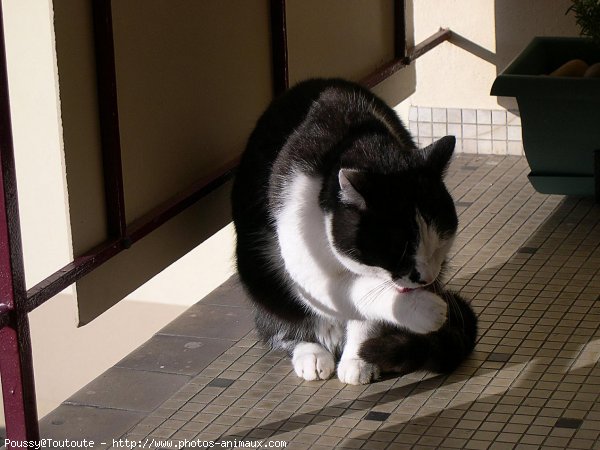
[454,115]
[480,131]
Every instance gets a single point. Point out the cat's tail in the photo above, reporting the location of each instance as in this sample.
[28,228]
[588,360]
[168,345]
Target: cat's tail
[398,350]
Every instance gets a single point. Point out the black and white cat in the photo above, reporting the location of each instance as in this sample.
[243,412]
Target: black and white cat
[343,227]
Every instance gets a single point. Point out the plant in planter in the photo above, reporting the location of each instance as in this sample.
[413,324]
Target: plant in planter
[559,106]
[587,16]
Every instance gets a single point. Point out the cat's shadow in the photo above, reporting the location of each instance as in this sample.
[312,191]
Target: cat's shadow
[523,354]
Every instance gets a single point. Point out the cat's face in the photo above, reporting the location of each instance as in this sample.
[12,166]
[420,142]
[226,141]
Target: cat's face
[399,226]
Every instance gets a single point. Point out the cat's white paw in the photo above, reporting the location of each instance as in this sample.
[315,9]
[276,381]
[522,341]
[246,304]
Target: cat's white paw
[312,362]
[356,371]
[426,311]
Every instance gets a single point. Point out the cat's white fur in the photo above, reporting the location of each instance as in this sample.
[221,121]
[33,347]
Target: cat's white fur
[431,252]
[351,368]
[342,289]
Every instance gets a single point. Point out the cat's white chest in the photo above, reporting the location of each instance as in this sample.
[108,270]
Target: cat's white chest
[306,250]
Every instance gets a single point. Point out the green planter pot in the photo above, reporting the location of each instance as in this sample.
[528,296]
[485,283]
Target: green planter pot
[560,116]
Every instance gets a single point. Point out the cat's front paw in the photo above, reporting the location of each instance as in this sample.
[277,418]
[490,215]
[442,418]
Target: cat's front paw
[356,371]
[312,362]
[426,311]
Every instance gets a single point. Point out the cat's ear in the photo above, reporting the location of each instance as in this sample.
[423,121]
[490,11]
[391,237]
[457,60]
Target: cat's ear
[350,183]
[438,154]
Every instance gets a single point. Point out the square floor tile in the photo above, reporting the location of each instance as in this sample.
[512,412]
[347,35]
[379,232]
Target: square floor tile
[230,293]
[132,390]
[212,321]
[101,425]
[175,354]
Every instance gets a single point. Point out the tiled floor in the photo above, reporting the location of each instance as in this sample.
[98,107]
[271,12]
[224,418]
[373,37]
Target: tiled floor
[529,263]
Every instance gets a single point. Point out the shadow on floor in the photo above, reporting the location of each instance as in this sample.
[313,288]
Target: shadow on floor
[533,378]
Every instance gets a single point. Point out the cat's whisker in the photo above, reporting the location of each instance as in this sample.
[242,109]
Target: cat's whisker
[370,296]
[375,292]
[365,298]
[388,285]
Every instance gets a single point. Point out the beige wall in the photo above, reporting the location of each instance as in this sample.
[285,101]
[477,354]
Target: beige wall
[37,136]
[348,38]
[488,34]
[329,38]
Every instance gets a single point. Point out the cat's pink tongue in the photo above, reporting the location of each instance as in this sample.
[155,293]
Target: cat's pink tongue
[404,290]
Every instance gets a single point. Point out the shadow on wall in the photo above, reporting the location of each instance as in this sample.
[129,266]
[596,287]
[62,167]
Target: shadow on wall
[518,22]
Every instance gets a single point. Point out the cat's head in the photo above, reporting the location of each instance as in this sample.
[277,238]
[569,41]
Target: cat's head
[397,225]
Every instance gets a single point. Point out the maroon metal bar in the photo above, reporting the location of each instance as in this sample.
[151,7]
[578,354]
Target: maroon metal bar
[70,273]
[443,34]
[384,72]
[399,29]
[18,387]
[84,264]
[392,67]
[279,52]
[4,316]
[155,218]
[597,175]
[16,362]
[106,80]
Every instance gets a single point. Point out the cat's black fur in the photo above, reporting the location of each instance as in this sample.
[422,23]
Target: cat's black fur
[318,141]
